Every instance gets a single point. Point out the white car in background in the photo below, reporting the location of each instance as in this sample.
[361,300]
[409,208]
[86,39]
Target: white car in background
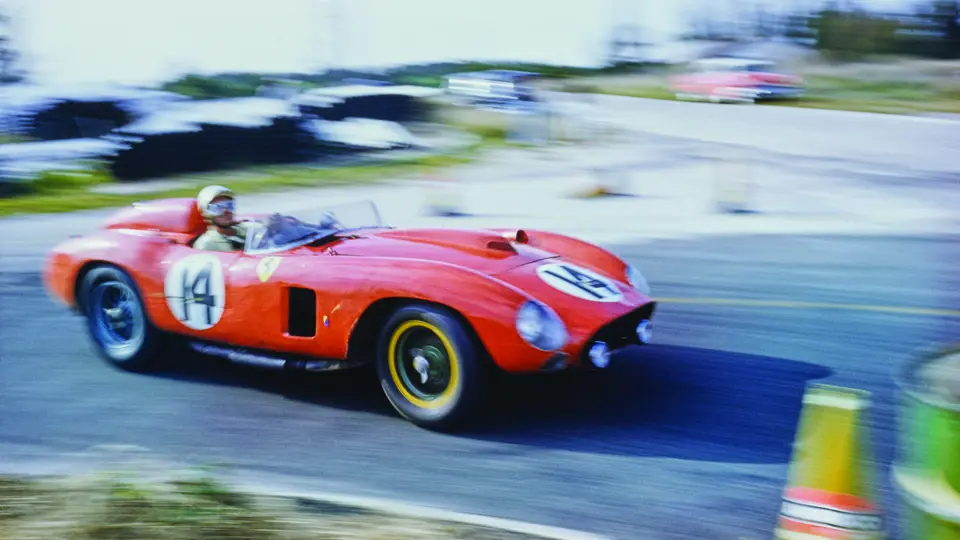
[494,88]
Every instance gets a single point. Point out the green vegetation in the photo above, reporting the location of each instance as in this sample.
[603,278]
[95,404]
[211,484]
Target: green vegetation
[932,31]
[8,139]
[894,87]
[648,91]
[194,507]
[883,96]
[205,87]
[227,85]
[66,191]
[433,74]
[491,127]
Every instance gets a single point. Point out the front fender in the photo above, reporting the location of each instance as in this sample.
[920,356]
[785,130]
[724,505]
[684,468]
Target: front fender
[488,304]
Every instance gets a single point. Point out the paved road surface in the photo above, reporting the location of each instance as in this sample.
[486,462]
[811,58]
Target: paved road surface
[687,438]
[870,141]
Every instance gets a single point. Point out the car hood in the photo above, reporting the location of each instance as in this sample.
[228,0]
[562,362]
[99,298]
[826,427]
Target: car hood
[482,250]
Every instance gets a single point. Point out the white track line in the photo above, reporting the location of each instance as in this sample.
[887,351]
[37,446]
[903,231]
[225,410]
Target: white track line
[422,512]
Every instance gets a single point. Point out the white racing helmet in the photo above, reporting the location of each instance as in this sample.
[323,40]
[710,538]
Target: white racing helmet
[207,195]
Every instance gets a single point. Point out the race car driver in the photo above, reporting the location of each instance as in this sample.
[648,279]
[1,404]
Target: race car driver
[216,205]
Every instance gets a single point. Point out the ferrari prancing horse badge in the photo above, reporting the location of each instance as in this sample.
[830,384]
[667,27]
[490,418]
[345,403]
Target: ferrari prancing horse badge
[266,268]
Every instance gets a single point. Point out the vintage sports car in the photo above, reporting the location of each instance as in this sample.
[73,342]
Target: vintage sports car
[437,310]
[736,80]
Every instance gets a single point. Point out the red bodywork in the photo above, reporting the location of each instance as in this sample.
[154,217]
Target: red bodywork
[485,275]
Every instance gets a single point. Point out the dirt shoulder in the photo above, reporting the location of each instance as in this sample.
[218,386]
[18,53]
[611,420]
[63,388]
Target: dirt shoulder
[114,506]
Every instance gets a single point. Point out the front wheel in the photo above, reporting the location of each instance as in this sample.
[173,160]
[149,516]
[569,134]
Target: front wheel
[117,319]
[429,367]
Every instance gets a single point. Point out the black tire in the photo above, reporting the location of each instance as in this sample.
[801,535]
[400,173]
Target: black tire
[139,352]
[467,376]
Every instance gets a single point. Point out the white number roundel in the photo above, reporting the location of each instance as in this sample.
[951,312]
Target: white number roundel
[579,282]
[195,291]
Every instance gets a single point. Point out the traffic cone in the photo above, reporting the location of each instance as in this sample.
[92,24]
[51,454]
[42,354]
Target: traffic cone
[830,493]
[605,182]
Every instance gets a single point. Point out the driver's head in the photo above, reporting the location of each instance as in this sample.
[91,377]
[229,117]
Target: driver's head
[216,205]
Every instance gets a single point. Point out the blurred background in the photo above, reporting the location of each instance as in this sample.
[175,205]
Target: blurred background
[784,172]
[83,73]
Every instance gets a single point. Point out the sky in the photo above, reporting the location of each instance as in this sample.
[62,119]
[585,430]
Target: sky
[146,41]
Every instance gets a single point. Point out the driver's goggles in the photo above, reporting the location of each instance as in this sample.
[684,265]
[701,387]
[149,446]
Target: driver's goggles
[218,208]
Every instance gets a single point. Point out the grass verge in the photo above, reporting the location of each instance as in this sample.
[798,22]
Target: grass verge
[70,190]
[836,93]
[115,506]
[880,96]
[67,191]
[93,188]
[10,139]
[903,87]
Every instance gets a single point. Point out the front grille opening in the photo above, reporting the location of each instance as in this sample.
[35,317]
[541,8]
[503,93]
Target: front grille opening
[621,332]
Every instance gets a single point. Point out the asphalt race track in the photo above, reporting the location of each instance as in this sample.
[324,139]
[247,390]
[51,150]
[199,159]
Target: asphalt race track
[687,438]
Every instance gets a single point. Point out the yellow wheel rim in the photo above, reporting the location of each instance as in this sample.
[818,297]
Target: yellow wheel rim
[401,362]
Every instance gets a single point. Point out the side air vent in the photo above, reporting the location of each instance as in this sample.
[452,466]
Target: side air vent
[302,312]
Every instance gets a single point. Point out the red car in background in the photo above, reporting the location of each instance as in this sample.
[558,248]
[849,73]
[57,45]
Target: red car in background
[736,80]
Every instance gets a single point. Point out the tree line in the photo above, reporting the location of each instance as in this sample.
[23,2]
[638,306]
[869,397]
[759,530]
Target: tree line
[845,30]
[10,70]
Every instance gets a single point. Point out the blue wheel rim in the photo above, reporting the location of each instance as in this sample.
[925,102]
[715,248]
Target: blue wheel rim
[117,318]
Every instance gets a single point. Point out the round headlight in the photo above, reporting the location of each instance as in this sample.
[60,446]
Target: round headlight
[637,281]
[529,322]
[540,326]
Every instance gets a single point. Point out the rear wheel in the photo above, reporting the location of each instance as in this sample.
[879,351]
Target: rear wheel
[429,367]
[117,319]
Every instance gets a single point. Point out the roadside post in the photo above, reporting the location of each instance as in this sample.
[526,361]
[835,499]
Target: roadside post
[733,182]
[441,194]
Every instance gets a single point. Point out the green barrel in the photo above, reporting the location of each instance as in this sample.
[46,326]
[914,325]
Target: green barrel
[927,470]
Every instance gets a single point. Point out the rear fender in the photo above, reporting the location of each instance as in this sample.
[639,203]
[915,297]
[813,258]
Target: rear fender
[129,250]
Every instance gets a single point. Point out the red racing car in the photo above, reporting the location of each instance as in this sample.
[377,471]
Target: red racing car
[436,309]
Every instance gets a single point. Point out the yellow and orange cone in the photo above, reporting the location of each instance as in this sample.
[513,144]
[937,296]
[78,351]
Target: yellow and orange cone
[830,492]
